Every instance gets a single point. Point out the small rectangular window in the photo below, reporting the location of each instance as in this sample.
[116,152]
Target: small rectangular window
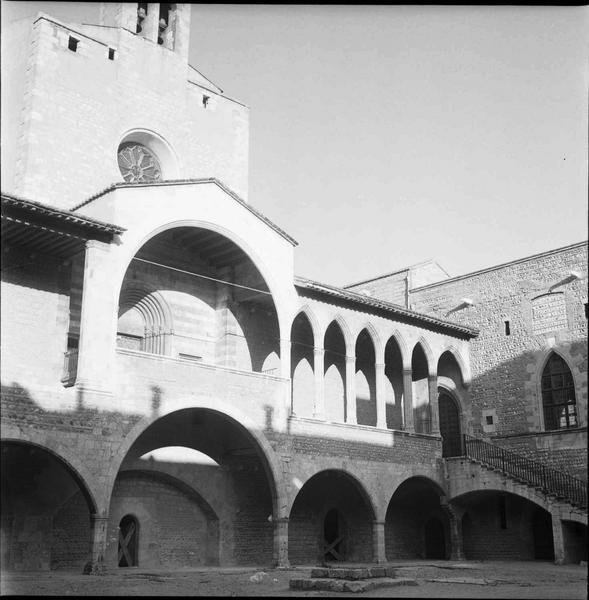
[586,310]
[489,419]
[507,328]
[111,54]
[73,44]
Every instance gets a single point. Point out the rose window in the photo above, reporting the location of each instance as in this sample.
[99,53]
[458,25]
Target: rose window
[138,164]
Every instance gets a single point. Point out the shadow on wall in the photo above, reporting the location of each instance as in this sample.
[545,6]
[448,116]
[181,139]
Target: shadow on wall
[507,401]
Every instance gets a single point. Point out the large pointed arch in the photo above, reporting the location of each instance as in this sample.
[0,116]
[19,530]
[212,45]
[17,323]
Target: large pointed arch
[557,393]
[313,321]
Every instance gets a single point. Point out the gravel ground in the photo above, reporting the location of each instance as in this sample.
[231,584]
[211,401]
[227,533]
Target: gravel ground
[436,579]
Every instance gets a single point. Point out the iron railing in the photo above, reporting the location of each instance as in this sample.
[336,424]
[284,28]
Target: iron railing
[529,471]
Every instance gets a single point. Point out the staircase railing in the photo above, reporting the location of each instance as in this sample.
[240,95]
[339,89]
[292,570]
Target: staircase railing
[527,470]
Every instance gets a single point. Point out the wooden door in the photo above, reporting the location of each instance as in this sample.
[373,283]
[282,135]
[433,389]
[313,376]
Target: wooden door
[449,426]
[128,542]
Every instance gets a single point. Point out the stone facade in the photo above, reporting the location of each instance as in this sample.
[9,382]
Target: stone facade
[158,313]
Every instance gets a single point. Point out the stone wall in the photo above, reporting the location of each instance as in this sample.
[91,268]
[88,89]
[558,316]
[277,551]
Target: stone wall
[506,366]
[145,87]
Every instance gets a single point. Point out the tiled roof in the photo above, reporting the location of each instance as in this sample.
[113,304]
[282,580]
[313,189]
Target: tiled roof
[395,309]
[9,200]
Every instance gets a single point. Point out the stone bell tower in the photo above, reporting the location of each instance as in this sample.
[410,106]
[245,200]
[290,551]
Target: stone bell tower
[165,24]
[77,98]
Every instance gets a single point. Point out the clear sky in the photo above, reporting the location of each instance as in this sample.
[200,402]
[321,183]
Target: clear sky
[387,135]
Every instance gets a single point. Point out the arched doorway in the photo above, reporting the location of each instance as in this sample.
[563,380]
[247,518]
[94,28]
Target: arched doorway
[416,526]
[128,541]
[330,520]
[435,539]
[334,536]
[449,425]
[542,533]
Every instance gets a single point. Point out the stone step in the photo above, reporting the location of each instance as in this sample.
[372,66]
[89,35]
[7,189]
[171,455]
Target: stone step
[343,585]
[353,573]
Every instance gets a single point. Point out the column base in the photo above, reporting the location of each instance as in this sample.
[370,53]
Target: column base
[94,568]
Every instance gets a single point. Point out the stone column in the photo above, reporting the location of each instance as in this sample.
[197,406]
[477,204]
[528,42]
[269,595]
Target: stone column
[455,519]
[281,543]
[318,368]
[381,414]
[285,359]
[96,566]
[351,390]
[378,543]
[558,538]
[408,400]
[98,324]
[434,411]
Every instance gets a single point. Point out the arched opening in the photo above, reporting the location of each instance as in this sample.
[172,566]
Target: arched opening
[46,511]
[145,320]
[435,539]
[302,366]
[330,520]
[202,491]
[197,296]
[334,536]
[394,394]
[503,526]
[128,541]
[449,425]
[558,394]
[542,535]
[574,541]
[413,520]
[419,378]
[335,373]
[365,380]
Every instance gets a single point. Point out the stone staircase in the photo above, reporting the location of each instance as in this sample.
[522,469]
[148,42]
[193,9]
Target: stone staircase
[555,485]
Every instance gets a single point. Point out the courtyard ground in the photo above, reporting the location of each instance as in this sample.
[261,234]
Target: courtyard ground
[434,579]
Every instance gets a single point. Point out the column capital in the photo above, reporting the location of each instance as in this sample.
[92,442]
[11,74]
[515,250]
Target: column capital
[433,377]
[350,358]
[95,244]
[379,365]
[407,371]
[378,522]
[318,350]
[281,520]
[99,518]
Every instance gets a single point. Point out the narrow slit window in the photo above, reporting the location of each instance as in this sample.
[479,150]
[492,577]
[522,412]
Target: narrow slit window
[586,310]
[507,328]
[73,44]
[111,54]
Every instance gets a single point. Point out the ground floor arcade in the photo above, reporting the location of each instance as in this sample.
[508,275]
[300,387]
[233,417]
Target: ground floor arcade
[233,506]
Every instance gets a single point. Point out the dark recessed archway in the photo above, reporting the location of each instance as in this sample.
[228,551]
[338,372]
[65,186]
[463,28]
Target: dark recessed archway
[223,507]
[330,521]
[415,524]
[46,510]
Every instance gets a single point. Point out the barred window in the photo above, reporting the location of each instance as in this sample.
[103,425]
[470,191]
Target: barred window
[558,395]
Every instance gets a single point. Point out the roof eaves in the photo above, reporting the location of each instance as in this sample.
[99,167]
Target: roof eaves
[63,215]
[214,180]
[383,305]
